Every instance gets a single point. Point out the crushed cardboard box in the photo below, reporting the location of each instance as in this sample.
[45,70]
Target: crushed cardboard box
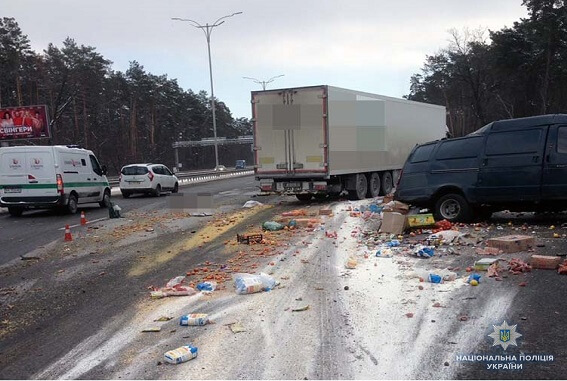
[393,222]
[545,262]
[512,243]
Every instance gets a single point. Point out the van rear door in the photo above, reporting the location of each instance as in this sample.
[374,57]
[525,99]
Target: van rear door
[26,173]
[554,183]
[511,167]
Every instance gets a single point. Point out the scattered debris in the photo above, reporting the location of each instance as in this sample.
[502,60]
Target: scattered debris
[237,327]
[181,354]
[299,309]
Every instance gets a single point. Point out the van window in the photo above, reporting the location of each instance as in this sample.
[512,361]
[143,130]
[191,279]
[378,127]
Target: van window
[83,162]
[130,171]
[562,140]
[96,166]
[459,149]
[513,142]
[158,170]
[422,153]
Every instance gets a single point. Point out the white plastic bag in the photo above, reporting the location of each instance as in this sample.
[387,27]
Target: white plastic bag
[251,283]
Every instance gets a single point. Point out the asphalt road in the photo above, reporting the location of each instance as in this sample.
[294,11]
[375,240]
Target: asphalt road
[35,228]
[77,312]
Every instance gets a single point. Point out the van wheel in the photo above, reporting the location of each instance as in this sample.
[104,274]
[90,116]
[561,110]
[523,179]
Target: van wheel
[175,188]
[15,211]
[105,202]
[72,204]
[387,183]
[125,194]
[452,207]
[361,188]
[157,192]
[374,185]
[304,197]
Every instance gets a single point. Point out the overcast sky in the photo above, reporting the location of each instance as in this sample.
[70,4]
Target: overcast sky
[368,45]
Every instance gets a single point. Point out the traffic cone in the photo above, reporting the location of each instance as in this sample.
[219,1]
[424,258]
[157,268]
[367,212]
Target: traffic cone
[68,236]
[83,219]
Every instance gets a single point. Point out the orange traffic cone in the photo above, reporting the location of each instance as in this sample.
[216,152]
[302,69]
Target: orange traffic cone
[68,236]
[83,219]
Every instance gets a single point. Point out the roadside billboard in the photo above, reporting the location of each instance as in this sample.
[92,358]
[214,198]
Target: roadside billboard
[28,122]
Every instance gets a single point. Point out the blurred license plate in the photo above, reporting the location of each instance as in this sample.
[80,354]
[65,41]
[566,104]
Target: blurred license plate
[292,185]
[8,189]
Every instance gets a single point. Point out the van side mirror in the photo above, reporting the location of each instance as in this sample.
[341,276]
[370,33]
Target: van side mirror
[104,170]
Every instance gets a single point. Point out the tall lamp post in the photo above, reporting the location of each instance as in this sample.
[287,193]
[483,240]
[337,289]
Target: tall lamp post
[264,83]
[208,29]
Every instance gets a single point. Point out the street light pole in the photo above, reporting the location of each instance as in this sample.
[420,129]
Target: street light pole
[264,83]
[208,29]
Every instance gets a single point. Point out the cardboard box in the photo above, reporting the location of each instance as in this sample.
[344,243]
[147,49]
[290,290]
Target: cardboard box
[512,243]
[393,223]
[484,263]
[545,262]
[420,220]
[396,206]
[387,199]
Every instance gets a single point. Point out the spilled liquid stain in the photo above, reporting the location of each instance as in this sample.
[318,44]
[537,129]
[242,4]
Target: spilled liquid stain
[209,233]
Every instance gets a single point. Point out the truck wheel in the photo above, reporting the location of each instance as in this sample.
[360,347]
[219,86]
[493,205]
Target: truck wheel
[452,207]
[304,197]
[72,204]
[105,202]
[374,185]
[15,211]
[387,183]
[361,188]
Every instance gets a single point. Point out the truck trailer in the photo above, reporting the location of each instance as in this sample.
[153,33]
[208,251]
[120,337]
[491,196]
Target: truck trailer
[323,140]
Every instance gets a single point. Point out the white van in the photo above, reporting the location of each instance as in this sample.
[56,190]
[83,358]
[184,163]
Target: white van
[50,177]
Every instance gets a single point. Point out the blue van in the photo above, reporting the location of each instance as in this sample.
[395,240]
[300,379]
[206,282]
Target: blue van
[516,164]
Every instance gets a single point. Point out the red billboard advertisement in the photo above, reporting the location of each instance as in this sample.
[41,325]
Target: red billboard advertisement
[28,122]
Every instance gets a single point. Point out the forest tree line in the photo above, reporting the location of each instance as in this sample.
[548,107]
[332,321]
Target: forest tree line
[513,72]
[124,117]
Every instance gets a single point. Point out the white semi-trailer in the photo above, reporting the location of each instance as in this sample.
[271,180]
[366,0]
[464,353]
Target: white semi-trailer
[323,140]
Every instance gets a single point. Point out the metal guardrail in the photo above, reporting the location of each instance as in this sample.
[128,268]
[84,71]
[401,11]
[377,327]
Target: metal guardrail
[113,181]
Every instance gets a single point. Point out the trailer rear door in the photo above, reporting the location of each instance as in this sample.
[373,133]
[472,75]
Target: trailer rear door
[290,132]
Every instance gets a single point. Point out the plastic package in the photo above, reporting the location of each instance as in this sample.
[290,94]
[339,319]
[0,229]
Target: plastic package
[272,226]
[424,251]
[251,283]
[207,286]
[175,281]
[181,354]
[194,319]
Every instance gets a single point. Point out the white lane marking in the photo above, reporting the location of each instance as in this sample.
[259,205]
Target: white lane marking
[88,222]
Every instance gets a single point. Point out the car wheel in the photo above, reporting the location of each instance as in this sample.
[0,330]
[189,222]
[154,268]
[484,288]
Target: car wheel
[175,188]
[452,207]
[105,202]
[304,197]
[387,183]
[374,185]
[15,211]
[157,192]
[72,204]
[126,194]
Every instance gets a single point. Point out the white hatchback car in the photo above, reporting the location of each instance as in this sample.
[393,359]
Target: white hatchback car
[147,178]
